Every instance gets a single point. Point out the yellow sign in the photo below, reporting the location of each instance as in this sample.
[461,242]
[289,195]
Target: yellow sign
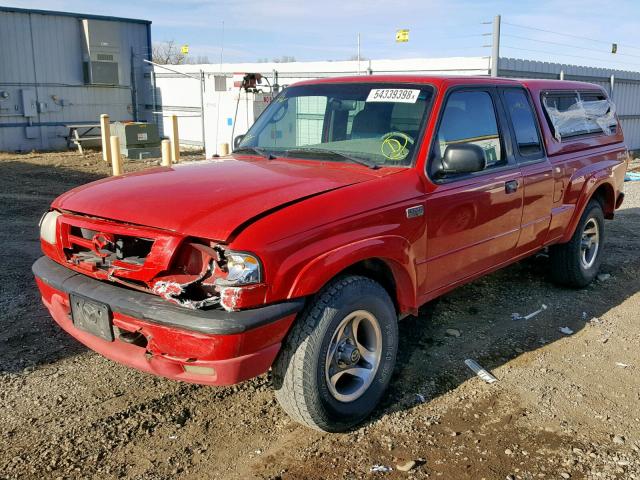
[402,35]
[185,50]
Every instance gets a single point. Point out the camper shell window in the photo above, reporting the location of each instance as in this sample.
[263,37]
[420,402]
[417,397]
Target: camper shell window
[572,114]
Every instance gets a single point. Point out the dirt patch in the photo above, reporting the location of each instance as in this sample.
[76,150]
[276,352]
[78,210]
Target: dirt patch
[564,406]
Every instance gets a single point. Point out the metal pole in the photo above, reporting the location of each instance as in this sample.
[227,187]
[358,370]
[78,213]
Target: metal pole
[153,95]
[358,54]
[495,50]
[204,141]
[134,89]
[222,45]
[612,81]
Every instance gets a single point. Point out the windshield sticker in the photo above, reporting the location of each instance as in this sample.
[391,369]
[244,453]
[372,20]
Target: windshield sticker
[398,95]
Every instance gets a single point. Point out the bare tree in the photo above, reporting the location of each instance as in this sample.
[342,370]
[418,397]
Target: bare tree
[167,53]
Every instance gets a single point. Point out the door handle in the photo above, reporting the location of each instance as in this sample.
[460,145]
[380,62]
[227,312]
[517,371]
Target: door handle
[511,186]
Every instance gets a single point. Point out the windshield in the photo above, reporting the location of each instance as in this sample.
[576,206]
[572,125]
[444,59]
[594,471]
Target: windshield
[375,124]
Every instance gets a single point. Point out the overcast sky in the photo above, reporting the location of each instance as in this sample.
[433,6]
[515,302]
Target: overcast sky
[327,29]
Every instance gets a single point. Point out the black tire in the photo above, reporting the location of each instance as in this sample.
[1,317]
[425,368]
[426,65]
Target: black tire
[567,266]
[301,386]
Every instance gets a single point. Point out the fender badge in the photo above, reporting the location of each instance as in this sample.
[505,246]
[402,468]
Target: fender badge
[416,211]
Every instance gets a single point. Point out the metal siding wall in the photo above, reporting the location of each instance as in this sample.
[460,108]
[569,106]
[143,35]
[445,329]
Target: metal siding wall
[58,60]
[58,51]
[15,56]
[16,65]
[626,90]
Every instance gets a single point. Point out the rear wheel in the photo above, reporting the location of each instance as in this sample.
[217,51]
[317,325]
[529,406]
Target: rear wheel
[576,263]
[339,356]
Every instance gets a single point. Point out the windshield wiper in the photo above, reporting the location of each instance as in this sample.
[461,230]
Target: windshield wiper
[260,151]
[344,156]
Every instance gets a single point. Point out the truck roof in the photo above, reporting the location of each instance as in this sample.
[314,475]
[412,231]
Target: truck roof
[450,80]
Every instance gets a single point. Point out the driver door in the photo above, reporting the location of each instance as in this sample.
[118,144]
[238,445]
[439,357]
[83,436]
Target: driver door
[473,220]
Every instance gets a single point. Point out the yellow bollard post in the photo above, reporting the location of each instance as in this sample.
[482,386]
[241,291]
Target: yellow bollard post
[166,153]
[223,148]
[175,140]
[105,130]
[116,159]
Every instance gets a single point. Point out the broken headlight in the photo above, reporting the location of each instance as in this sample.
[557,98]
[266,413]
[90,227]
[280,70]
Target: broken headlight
[48,224]
[239,269]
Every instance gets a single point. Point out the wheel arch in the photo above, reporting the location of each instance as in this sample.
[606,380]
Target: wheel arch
[602,191]
[378,270]
[395,274]
[605,194]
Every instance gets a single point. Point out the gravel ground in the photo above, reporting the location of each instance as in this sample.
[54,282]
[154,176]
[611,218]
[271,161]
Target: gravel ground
[564,406]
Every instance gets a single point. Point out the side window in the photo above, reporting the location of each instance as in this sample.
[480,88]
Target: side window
[524,123]
[469,117]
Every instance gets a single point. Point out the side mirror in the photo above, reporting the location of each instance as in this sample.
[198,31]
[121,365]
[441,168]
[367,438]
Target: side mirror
[463,158]
[237,140]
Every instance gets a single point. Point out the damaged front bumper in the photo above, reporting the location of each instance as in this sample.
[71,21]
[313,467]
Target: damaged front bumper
[214,347]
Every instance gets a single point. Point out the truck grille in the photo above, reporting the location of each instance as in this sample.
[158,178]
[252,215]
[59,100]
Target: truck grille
[103,249]
[119,252]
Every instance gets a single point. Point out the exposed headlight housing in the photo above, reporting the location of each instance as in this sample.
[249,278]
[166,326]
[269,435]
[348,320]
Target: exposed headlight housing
[48,224]
[241,269]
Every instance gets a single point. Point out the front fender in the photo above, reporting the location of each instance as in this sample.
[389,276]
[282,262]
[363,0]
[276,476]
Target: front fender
[395,251]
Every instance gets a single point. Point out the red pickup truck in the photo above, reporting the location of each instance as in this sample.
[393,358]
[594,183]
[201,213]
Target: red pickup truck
[350,203]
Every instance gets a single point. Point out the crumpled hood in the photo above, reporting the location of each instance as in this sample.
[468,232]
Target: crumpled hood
[208,199]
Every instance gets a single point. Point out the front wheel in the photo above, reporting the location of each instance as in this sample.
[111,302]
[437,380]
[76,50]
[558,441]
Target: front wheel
[576,263]
[339,356]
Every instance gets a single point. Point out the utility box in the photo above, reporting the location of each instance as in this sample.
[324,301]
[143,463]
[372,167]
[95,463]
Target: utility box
[29,102]
[138,140]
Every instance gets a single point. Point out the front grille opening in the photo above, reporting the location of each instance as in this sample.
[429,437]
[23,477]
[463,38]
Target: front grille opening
[102,249]
[83,232]
[132,249]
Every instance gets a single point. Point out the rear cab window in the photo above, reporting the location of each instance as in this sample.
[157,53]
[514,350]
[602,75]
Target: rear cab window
[573,114]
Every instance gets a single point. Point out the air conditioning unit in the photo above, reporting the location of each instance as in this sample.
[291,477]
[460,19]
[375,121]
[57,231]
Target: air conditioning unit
[101,52]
